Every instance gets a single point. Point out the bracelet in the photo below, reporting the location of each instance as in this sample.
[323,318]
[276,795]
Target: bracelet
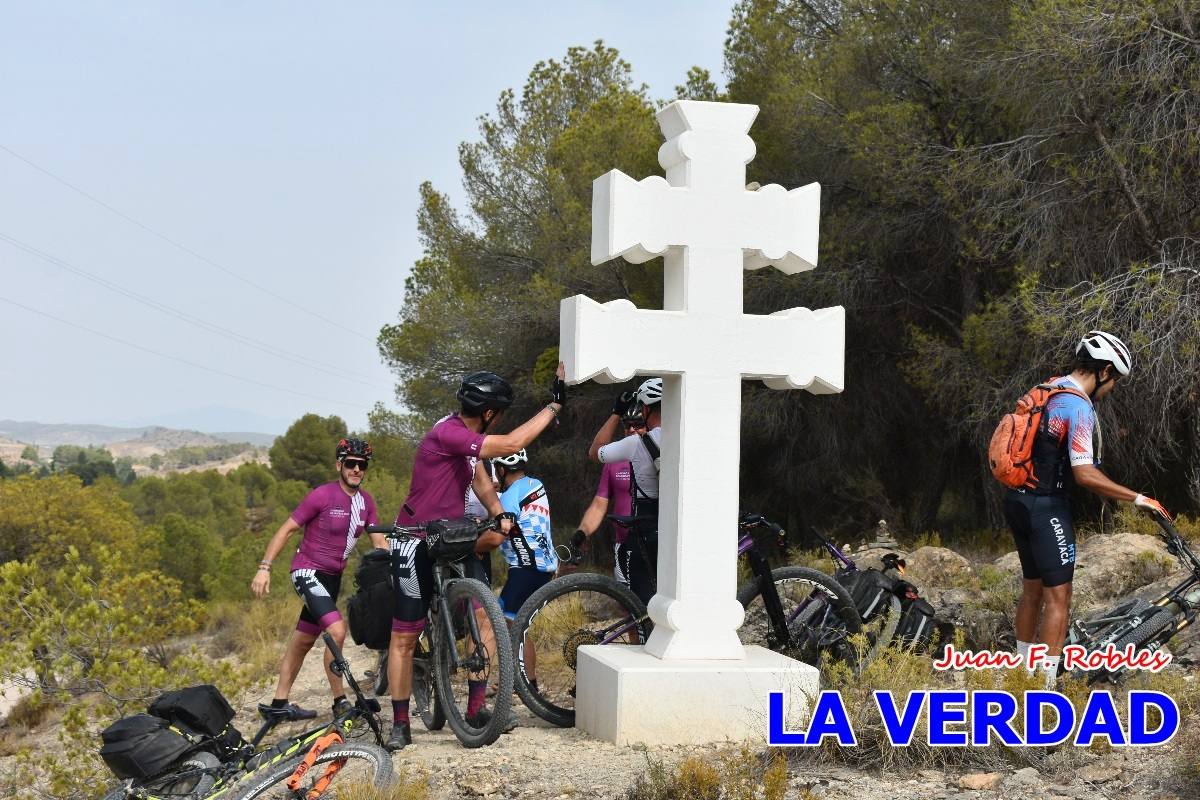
[550,407]
[265,563]
[264,567]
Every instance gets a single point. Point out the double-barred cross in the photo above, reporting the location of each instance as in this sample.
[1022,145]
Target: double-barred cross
[709,227]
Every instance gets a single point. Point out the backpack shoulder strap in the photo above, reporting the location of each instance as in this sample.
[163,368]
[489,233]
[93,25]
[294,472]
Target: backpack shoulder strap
[651,447]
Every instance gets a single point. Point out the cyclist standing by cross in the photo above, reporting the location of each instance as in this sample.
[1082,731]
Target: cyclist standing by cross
[451,457]
[640,561]
[1066,452]
[333,517]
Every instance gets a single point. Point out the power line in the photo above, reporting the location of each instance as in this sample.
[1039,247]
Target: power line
[328,369]
[193,364]
[317,315]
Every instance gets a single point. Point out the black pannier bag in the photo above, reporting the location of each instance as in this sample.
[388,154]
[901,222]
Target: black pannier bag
[370,608]
[451,539]
[870,589]
[141,746]
[917,624]
[201,708]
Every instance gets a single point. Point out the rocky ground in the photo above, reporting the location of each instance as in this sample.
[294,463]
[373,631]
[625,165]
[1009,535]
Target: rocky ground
[537,760]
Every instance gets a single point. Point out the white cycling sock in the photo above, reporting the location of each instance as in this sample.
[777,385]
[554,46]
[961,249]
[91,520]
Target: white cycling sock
[1050,670]
[1023,652]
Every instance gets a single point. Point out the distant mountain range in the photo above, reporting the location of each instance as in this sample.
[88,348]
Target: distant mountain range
[53,434]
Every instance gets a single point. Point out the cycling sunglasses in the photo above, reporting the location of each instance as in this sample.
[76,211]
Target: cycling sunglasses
[355,463]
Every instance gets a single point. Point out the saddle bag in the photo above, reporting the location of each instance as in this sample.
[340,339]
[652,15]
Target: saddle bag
[201,708]
[917,624]
[870,590]
[451,539]
[374,568]
[370,613]
[142,746]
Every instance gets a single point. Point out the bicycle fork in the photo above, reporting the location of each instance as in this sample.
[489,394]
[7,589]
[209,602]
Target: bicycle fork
[771,602]
[310,758]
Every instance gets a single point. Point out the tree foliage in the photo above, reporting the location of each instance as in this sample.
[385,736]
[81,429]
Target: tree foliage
[306,451]
[997,178]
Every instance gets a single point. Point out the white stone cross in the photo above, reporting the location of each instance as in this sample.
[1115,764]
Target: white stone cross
[710,227]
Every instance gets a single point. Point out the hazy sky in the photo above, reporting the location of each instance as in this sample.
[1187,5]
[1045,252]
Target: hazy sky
[282,144]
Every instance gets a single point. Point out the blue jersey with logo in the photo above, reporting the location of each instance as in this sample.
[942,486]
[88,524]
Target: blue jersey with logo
[532,547]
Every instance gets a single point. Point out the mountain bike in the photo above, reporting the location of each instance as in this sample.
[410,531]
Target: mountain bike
[793,610]
[456,646]
[285,769]
[873,593]
[1147,625]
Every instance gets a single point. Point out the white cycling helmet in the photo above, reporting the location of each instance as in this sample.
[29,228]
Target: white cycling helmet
[514,461]
[1101,346]
[650,392]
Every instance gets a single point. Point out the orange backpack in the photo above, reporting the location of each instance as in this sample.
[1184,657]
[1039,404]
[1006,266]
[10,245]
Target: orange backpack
[1010,453]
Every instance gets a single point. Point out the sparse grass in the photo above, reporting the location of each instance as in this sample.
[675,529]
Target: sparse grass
[998,590]
[414,786]
[254,630]
[742,774]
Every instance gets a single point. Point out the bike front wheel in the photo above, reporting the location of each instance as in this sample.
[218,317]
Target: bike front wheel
[555,622]
[352,765]
[818,617]
[472,654]
[424,693]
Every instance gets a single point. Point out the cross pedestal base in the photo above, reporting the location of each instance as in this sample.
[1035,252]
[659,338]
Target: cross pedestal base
[625,695]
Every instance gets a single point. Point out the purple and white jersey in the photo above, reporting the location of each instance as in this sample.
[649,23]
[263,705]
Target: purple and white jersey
[442,471]
[614,486]
[332,522]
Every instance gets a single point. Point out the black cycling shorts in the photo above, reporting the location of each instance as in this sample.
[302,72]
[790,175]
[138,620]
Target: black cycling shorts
[1045,536]
[319,591]
[412,582]
[521,582]
[637,559]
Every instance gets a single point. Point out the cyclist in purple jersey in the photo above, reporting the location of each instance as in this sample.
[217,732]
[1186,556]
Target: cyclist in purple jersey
[614,495]
[450,458]
[1066,452]
[333,517]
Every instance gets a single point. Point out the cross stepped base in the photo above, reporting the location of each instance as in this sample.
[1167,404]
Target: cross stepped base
[626,696]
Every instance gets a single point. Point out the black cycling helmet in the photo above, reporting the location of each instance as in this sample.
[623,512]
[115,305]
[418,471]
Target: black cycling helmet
[360,448]
[481,391]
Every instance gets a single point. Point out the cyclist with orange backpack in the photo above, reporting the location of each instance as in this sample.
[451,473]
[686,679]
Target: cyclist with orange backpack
[1051,443]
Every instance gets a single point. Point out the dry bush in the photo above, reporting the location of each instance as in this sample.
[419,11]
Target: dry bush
[742,774]
[253,630]
[406,786]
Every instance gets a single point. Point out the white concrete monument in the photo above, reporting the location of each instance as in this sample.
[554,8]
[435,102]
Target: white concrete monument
[709,227]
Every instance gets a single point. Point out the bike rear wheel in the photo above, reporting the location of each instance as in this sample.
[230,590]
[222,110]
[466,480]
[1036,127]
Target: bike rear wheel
[483,659]
[819,617]
[194,776]
[361,765]
[554,622]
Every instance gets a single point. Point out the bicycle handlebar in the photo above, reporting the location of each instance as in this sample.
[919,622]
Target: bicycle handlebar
[403,531]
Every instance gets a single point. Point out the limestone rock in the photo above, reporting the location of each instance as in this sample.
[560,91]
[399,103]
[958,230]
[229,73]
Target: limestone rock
[1099,772]
[1110,567]
[1027,776]
[980,781]
[939,566]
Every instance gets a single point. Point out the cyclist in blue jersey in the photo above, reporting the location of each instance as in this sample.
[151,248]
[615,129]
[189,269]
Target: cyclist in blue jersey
[1066,453]
[529,548]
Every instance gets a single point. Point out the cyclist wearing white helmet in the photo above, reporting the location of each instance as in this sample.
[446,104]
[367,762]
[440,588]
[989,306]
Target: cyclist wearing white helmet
[1066,452]
[640,560]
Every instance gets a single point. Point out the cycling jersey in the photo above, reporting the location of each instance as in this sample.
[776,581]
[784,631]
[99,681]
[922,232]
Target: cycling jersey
[633,450]
[532,546]
[332,522]
[614,487]
[442,471]
[1069,437]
